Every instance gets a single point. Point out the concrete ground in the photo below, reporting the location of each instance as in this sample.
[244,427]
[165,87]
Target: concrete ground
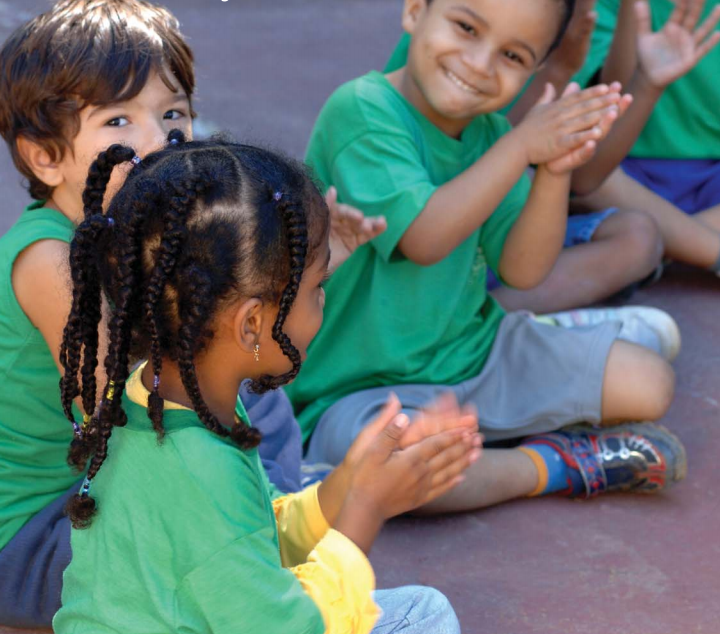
[615,565]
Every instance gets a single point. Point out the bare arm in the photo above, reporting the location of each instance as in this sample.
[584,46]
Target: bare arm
[42,285]
[536,238]
[621,61]
[552,129]
[662,57]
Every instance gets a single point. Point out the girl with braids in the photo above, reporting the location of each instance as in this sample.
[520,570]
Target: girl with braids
[73,80]
[212,256]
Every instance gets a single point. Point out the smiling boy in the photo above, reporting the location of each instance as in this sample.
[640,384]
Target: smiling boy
[409,313]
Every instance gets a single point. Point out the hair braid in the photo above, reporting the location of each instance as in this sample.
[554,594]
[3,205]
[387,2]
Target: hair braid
[193,318]
[80,338]
[297,244]
[81,507]
[174,229]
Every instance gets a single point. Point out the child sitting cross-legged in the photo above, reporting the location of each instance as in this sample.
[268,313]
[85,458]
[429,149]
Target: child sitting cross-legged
[409,312]
[213,256]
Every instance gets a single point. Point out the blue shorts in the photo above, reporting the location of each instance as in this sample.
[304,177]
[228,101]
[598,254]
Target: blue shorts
[691,185]
[580,229]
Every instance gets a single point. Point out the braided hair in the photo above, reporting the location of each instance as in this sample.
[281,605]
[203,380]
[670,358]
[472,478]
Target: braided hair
[194,227]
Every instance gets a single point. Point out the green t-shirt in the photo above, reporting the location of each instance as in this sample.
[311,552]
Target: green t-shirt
[34,433]
[387,320]
[685,122]
[184,541]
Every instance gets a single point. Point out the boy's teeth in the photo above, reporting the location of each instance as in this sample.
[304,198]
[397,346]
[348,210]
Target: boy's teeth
[460,83]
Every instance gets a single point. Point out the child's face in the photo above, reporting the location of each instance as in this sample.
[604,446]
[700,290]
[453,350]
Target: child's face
[142,123]
[471,57]
[306,315]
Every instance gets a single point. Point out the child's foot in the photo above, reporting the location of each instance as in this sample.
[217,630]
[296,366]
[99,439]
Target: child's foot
[636,457]
[649,327]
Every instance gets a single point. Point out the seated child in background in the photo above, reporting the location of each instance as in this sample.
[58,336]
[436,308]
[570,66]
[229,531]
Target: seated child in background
[673,171]
[65,94]
[409,313]
[608,250]
[232,242]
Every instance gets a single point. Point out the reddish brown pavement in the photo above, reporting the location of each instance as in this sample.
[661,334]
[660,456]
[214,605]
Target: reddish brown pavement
[615,565]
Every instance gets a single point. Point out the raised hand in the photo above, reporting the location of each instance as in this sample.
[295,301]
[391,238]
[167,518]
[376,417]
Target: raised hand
[577,120]
[349,229]
[569,57]
[671,52]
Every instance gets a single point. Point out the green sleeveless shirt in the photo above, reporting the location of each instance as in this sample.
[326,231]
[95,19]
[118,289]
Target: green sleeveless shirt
[34,433]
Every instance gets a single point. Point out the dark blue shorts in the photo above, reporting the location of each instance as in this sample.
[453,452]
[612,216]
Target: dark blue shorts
[691,185]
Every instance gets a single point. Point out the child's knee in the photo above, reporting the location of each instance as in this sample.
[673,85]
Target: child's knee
[641,238]
[661,383]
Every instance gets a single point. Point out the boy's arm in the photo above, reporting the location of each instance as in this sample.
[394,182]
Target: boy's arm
[621,59]
[551,130]
[535,240]
[662,57]
[42,286]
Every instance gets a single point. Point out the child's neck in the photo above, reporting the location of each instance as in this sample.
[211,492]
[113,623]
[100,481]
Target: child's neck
[219,388]
[69,206]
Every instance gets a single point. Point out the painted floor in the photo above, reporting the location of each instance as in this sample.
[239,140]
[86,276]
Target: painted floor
[630,565]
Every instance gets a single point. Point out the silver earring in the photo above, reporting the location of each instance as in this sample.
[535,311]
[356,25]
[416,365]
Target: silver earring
[256,352]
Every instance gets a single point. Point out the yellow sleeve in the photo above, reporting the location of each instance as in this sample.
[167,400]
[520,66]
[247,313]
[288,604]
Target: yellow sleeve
[339,578]
[301,525]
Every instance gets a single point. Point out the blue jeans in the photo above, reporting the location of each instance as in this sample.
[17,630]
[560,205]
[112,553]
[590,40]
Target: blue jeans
[415,610]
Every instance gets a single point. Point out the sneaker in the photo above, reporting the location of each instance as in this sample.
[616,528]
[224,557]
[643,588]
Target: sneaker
[633,458]
[649,327]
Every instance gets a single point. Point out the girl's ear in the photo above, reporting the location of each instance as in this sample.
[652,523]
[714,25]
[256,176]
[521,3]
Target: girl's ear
[413,12]
[38,159]
[248,322]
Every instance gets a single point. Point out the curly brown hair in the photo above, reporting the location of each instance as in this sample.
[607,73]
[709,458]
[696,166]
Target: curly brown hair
[80,53]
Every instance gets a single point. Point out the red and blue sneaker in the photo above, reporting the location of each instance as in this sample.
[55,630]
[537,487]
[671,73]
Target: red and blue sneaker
[635,458]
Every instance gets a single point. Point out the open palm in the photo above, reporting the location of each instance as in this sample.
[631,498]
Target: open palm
[349,229]
[668,54]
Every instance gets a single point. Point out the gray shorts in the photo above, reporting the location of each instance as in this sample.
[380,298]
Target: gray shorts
[32,565]
[538,378]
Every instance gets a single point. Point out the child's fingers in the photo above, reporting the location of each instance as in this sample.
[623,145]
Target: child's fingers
[440,477]
[379,225]
[454,460]
[428,448]
[331,198]
[573,159]
[444,403]
[706,28]
[573,88]
[707,46]
[678,14]
[692,14]
[607,122]
[642,17]
[589,107]
[548,95]
[624,104]
[388,413]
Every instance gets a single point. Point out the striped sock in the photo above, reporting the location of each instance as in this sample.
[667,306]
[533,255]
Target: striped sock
[554,475]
